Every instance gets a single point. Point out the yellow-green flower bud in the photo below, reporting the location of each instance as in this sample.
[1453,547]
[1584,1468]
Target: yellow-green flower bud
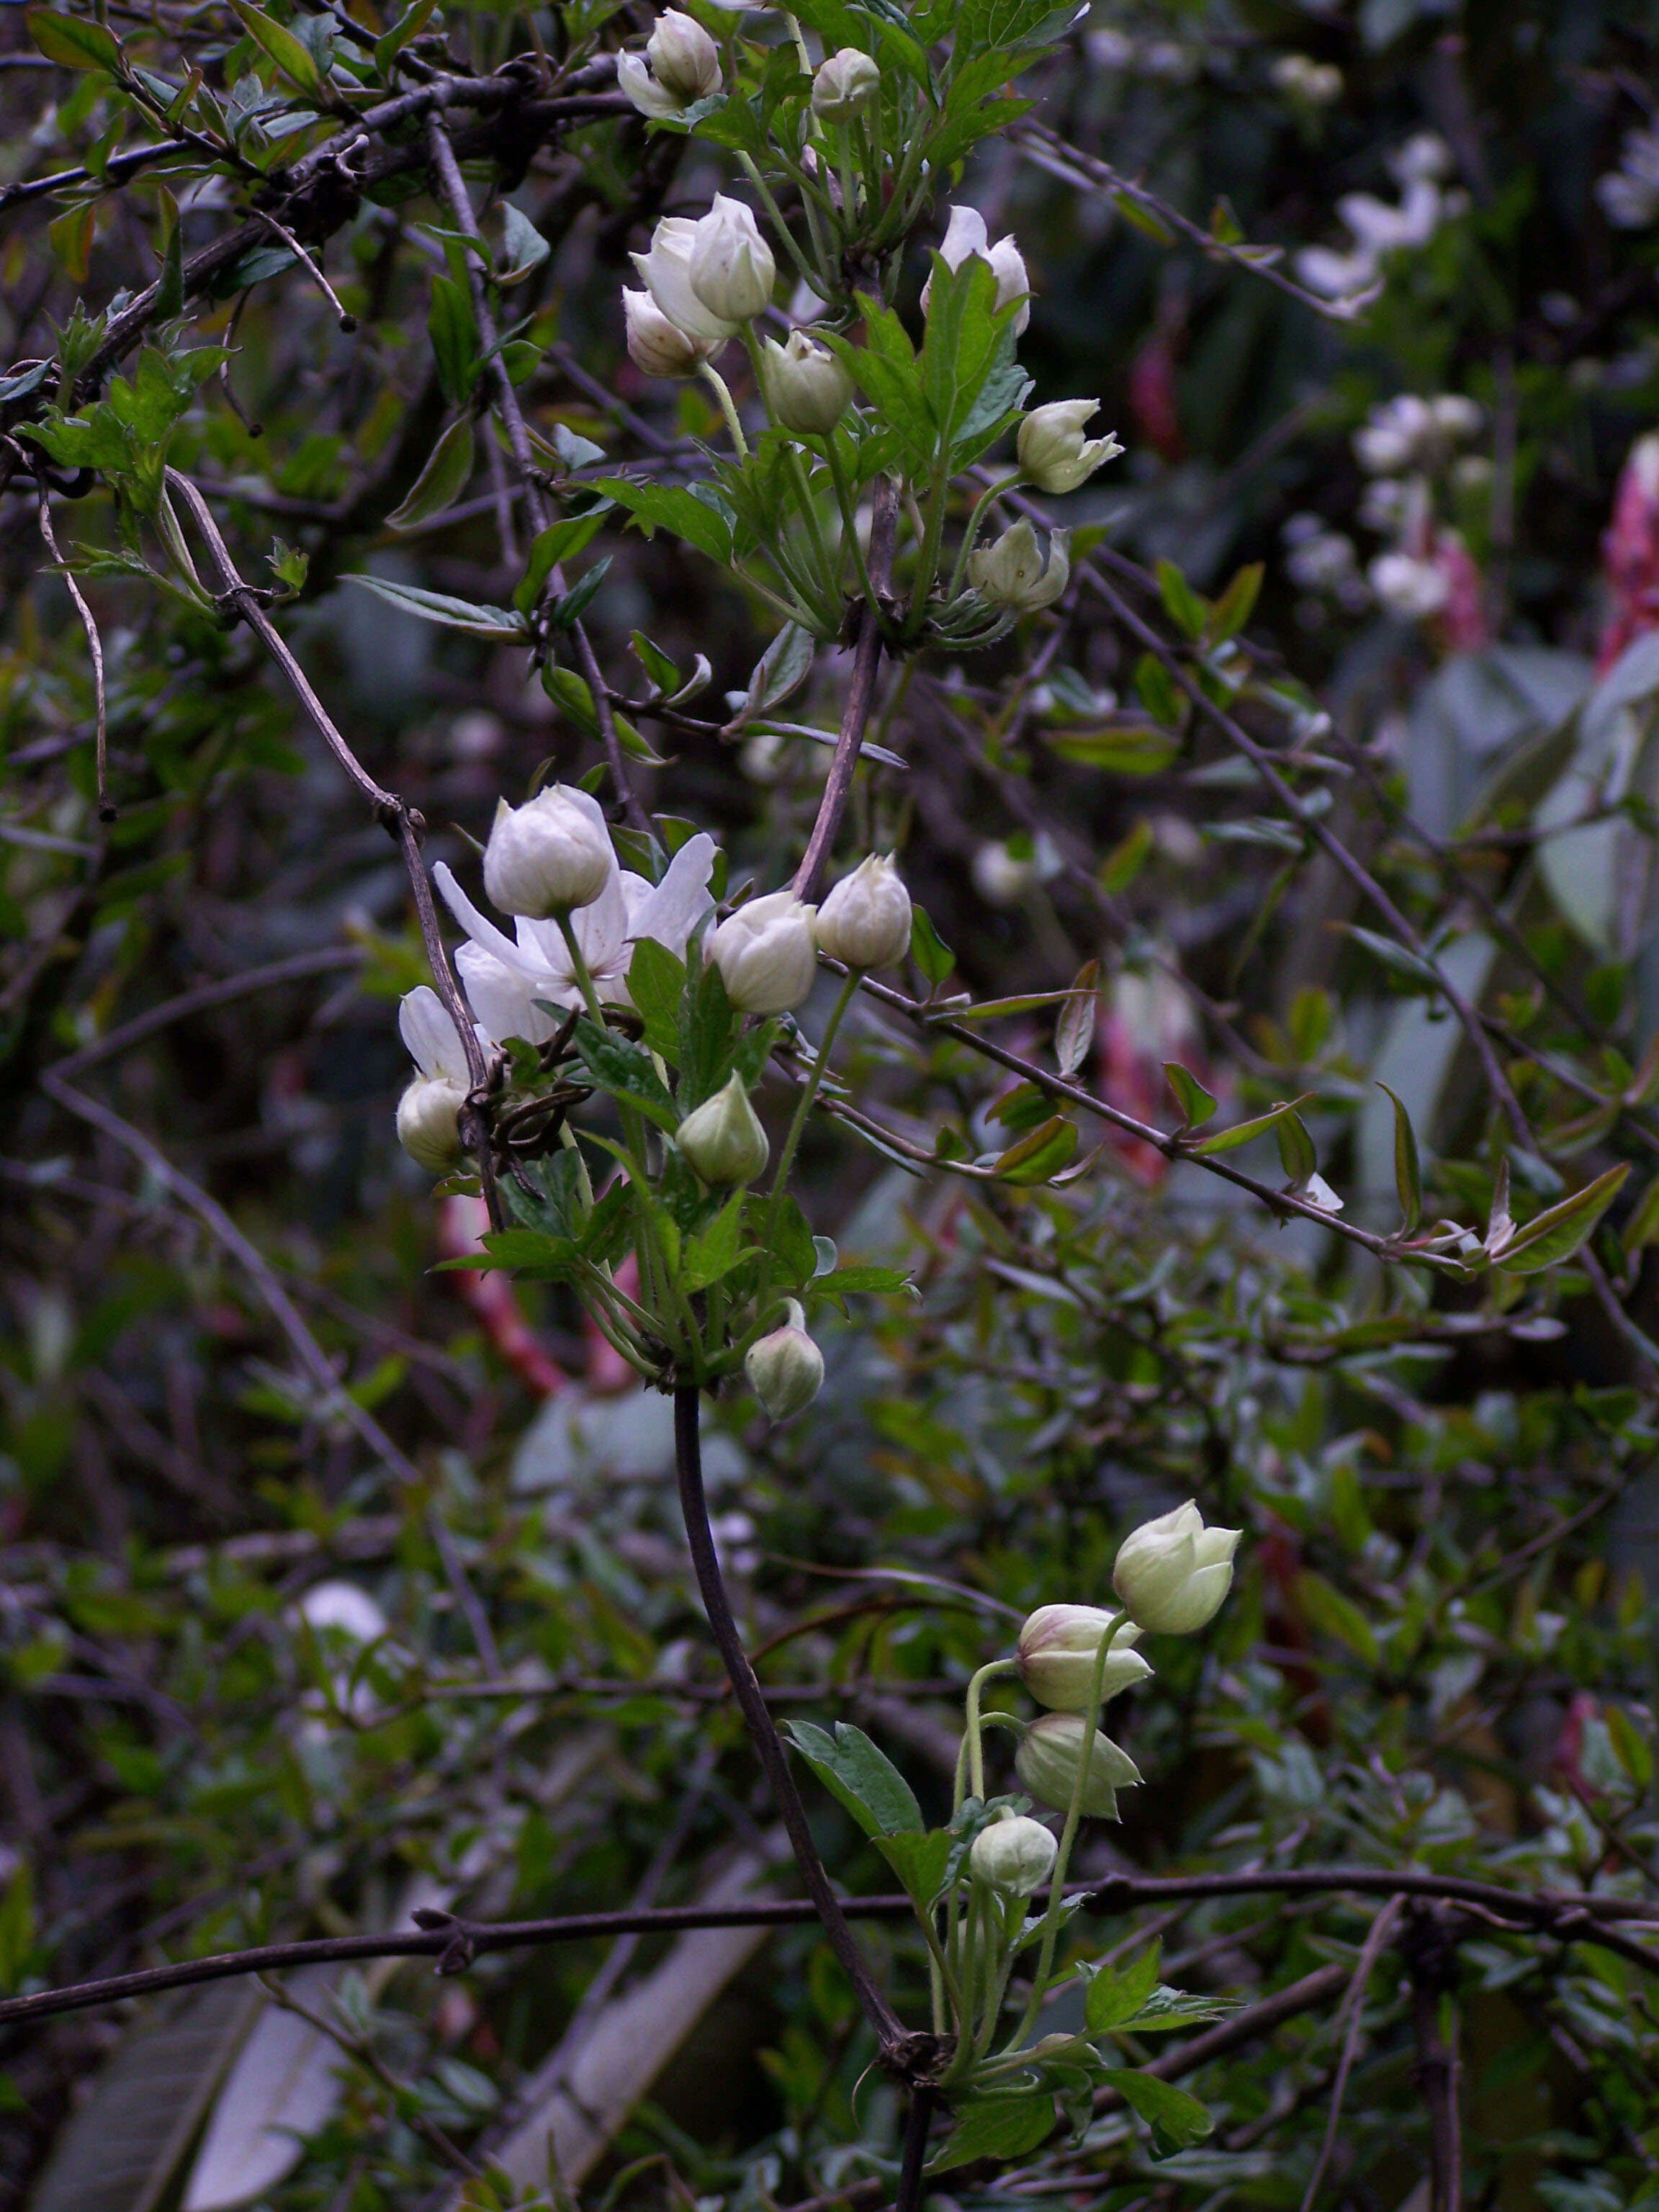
[1012,573]
[1052,450]
[1015,1854]
[806,387]
[722,1138]
[1172,1573]
[844,84]
[1057,1649]
[786,1369]
[1047,1764]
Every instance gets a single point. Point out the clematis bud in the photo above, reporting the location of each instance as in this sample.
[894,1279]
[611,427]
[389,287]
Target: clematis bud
[665,272]
[767,955]
[1047,1763]
[1052,450]
[656,345]
[547,856]
[1172,1573]
[1015,1854]
[1011,572]
[723,1139]
[686,60]
[1000,877]
[1057,1649]
[786,1369]
[865,920]
[806,388]
[428,1121]
[965,236]
[731,267]
[844,84]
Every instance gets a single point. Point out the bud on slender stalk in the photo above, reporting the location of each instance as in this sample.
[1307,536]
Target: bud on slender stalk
[865,920]
[844,85]
[806,387]
[786,1369]
[1052,450]
[722,1138]
[656,345]
[767,955]
[1057,1649]
[1015,1854]
[731,267]
[1172,1573]
[1047,1764]
[1012,573]
[547,856]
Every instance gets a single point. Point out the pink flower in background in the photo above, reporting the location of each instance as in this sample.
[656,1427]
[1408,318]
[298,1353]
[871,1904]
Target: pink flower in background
[1147,1021]
[1463,617]
[1630,553]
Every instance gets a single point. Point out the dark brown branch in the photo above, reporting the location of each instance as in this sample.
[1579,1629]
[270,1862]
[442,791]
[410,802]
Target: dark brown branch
[899,2050]
[860,697]
[922,2102]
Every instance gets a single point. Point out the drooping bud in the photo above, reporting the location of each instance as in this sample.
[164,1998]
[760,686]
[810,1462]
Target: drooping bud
[656,345]
[1012,573]
[731,267]
[722,1138]
[806,388]
[1057,1649]
[1015,1854]
[1172,1573]
[786,1369]
[767,954]
[547,856]
[865,921]
[428,1121]
[1052,450]
[965,236]
[844,84]
[665,272]
[1047,1764]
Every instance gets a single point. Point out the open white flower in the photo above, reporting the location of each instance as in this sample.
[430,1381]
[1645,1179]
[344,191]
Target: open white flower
[505,976]
[965,235]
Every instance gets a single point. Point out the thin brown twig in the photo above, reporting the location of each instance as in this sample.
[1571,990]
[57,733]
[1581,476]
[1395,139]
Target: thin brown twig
[95,647]
[1354,2004]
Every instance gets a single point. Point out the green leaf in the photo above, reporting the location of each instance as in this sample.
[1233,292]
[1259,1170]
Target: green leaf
[293,60]
[1114,1997]
[1158,692]
[712,1255]
[1397,957]
[17,1925]
[1177,2121]
[845,1280]
[497,622]
[920,1860]
[454,334]
[1167,2009]
[615,1063]
[1197,1106]
[75,41]
[656,982]
[1336,1616]
[859,1777]
[1004,2124]
[1074,1031]
[1227,1140]
[170,286]
[1295,1150]
[1035,1158]
[408,27]
[70,238]
[563,541]
[1631,1750]
[1181,603]
[1407,1170]
[928,949]
[1229,614]
[780,670]
[963,341]
[447,472]
[523,246]
[1642,1227]
[698,520]
[709,1026]
[1557,1233]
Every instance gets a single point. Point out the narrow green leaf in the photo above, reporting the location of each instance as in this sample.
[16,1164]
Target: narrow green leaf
[1228,1140]
[497,622]
[928,949]
[1642,1227]
[1557,1233]
[1295,1150]
[563,541]
[283,47]
[447,472]
[1074,1031]
[1181,603]
[1229,613]
[1035,1158]
[1407,1170]
[75,41]
[1336,1616]
[1196,1104]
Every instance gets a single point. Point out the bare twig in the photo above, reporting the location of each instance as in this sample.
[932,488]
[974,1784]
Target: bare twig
[1354,2005]
[95,647]
[922,2103]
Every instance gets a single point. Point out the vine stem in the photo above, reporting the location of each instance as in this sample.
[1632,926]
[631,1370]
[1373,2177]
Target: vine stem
[860,697]
[769,1745]
[922,2103]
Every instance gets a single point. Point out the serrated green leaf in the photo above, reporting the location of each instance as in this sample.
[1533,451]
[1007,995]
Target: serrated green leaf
[858,1775]
[699,521]
[616,1064]
[1115,1997]
[1005,2124]
[1177,2121]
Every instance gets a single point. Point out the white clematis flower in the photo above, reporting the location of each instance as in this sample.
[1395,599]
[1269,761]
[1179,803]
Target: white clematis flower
[966,234]
[665,273]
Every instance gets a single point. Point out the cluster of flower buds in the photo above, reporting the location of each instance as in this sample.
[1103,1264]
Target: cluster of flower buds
[704,279]
[767,952]
[1408,431]
[681,65]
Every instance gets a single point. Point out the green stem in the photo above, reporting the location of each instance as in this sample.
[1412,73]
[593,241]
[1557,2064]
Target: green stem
[991,492]
[849,520]
[830,579]
[746,163]
[1068,1836]
[972,1742]
[927,565]
[712,377]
